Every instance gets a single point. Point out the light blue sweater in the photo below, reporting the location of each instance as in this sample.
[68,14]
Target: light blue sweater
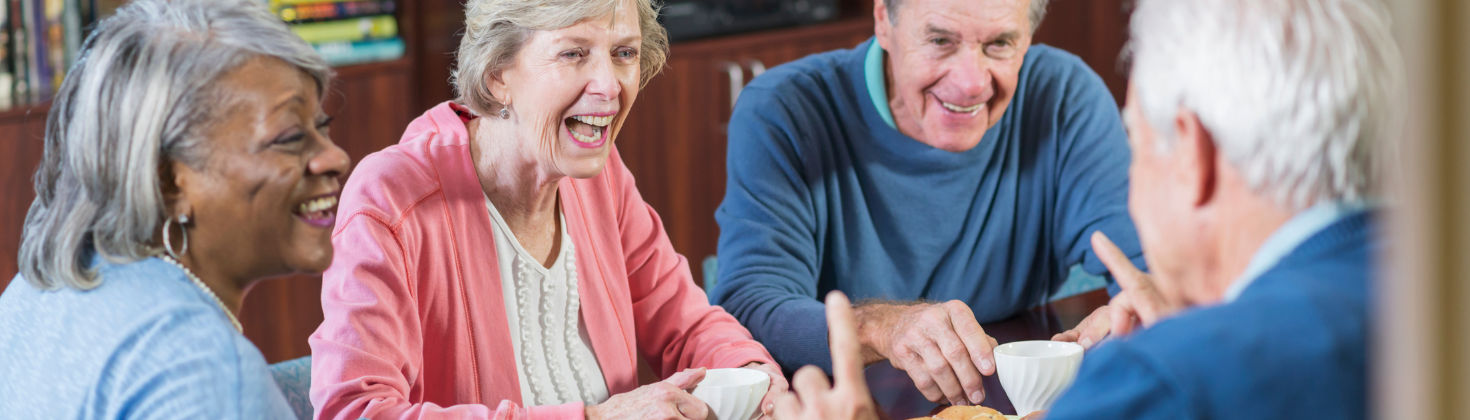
[145,344]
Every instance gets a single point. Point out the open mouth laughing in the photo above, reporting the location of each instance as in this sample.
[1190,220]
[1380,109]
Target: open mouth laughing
[589,131]
[320,211]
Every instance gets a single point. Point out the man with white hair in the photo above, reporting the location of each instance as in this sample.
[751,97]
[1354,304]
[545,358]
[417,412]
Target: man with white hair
[1254,126]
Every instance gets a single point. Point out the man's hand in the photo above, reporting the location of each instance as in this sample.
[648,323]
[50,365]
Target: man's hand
[940,345]
[814,398]
[777,387]
[1141,301]
[1091,331]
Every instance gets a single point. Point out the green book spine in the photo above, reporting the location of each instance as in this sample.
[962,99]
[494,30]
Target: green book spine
[348,30]
[345,53]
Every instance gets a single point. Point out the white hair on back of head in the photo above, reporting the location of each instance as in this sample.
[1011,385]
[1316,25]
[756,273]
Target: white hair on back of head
[1298,94]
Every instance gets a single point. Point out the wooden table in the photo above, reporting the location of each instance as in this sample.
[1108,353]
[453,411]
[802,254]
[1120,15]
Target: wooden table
[895,392]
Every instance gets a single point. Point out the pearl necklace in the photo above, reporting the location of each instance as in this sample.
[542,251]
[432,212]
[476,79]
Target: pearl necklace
[202,286]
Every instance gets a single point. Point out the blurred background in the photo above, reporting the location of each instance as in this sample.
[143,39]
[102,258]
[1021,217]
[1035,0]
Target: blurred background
[393,59]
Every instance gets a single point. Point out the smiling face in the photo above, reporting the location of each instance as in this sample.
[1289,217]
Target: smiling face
[571,88]
[952,66]
[264,201]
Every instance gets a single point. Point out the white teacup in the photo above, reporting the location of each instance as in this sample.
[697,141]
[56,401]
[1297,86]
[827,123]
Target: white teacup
[1034,373]
[733,394]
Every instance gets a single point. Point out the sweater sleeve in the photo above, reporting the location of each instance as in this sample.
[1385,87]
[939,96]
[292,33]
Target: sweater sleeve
[769,257]
[1117,382]
[1092,175]
[367,352]
[676,326]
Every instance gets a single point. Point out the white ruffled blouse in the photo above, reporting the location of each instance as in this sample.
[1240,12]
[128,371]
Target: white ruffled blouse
[552,349]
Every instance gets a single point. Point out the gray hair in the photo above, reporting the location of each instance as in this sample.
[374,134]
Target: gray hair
[495,31]
[139,96]
[1297,94]
[1036,11]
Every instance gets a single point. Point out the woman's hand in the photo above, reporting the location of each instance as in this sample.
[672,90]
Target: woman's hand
[848,399]
[778,386]
[666,400]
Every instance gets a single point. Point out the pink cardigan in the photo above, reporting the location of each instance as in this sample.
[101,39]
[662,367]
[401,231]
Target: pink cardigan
[415,322]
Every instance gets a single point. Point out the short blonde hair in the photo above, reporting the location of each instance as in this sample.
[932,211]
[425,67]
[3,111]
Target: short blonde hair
[495,31]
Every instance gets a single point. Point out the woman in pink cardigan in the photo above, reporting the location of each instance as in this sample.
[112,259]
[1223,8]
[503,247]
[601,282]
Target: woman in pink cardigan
[505,266]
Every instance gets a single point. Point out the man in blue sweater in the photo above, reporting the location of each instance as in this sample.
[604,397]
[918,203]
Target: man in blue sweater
[946,160]
[1255,127]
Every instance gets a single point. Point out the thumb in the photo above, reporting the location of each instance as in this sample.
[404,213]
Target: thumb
[687,379]
[1116,261]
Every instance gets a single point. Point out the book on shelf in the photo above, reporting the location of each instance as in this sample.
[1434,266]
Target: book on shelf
[325,11]
[20,90]
[345,53]
[7,73]
[348,30]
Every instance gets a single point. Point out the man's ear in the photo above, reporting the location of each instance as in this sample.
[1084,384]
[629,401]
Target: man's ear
[882,28]
[1196,155]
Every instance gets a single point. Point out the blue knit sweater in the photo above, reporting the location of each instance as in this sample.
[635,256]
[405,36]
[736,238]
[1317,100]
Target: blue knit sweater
[822,194]
[1293,346]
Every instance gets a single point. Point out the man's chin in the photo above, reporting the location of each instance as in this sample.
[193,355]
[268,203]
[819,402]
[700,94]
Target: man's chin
[956,141]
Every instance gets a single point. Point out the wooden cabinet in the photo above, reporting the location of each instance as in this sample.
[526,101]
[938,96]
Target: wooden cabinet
[21,145]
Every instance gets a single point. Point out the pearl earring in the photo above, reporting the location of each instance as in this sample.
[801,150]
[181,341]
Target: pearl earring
[504,113]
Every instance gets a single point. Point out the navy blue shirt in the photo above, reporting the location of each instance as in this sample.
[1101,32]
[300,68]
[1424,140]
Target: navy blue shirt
[1292,346]
[823,194]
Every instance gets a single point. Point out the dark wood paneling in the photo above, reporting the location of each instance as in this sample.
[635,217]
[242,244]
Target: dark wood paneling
[1096,31]
[441,22]
[21,144]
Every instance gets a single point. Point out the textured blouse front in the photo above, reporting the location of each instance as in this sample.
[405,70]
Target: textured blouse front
[553,352]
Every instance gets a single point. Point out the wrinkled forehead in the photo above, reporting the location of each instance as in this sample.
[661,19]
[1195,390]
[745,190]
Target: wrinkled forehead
[976,19]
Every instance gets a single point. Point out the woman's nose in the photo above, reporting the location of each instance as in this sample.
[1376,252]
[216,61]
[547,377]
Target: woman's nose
[331,161]
[604,81]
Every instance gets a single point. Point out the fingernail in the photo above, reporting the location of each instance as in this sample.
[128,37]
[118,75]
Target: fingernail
[985,364]
[1086,343]
[977,397]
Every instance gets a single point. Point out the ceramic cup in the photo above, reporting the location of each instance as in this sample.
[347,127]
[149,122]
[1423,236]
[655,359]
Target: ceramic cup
[733,394]
[1034,373]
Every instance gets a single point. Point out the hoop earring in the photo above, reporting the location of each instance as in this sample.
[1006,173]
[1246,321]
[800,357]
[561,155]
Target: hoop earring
[505,113]
[168,245]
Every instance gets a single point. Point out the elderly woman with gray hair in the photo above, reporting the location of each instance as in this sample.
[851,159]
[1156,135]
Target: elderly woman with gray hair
[499,261]
[186,157]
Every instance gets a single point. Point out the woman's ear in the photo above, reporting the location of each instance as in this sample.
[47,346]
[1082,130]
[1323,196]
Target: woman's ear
[499,89]
[174,179]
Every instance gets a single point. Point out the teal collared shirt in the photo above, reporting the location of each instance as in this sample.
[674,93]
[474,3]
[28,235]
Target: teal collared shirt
[1287,238]
[877,85]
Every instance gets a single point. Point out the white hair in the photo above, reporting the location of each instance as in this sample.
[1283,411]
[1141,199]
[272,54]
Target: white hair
[495,31]
[1296,93]
[140,94]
